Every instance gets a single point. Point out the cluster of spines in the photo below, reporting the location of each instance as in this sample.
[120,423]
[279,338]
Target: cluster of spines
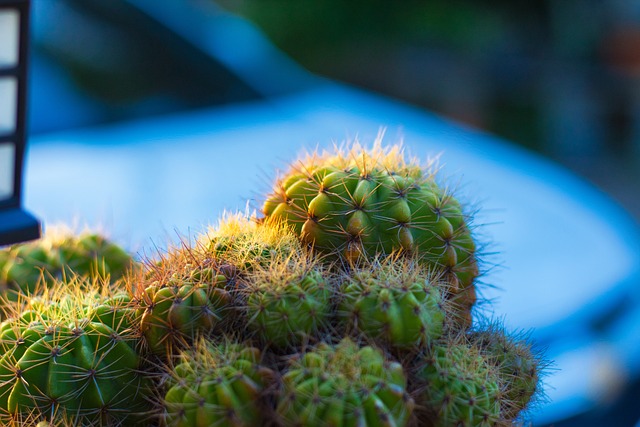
[58,357]
[61,255]
[220,384]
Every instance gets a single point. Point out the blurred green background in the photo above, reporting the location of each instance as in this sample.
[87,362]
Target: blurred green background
[559,77]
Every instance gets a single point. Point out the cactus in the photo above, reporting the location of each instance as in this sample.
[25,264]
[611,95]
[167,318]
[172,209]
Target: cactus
[359,203]
[217,385]
[393,300]
[460,387]
[287,309]
[344,385]
[518,367]
[28,267]
[173,312]
[56,360]
[247,245]
[348,303]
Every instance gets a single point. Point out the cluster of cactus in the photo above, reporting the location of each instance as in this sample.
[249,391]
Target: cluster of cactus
[348,302]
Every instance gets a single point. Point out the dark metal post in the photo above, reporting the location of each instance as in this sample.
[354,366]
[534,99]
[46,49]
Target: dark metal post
[16,225]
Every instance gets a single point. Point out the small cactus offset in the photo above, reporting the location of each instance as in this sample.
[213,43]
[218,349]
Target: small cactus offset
[26,268]
[349,302]
[460,388]
[518,365]
[288,308]
[244,244]
[217,384]
[344,385]
[394,300]
[174,311]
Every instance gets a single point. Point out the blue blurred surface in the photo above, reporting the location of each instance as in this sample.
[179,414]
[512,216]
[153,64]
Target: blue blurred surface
[566,262]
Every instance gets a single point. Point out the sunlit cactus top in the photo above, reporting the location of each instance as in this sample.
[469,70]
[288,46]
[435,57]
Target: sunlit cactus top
[357,202]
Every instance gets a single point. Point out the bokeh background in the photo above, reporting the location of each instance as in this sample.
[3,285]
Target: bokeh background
[559,78]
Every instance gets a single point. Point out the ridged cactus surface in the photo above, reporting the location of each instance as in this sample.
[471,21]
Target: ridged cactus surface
[344,385]
[393,301]
[55,360]
[217,385]
[460,388]
[174,312]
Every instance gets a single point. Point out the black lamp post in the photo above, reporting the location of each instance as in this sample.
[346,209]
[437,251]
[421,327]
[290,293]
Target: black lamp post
[16,225]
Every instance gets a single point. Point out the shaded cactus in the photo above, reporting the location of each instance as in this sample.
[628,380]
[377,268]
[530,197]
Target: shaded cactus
[344,385]
[460,388]
[517,364]
[395,301]
[217,384]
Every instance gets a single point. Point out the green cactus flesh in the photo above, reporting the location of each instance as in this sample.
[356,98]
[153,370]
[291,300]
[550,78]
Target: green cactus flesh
[94,256]
[216,386]
[28,265]
[83,368]
[118,312]
[285,310]
[406,312]
[248,245]
[460,388]
[174,313]
[345,385]
[365,203]
[517,365]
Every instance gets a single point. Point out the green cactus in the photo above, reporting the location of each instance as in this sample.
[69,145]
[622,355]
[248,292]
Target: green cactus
[56,360]
[518,367]
[92,255]
[287,309]
[460,388]
[361,272]
[28,267]
[360,203]
[394,301]
[247,245]
[217,385]
[344,385]
[189,303]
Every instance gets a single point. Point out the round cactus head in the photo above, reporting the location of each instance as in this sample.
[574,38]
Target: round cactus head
[56,360]
[358,203]
[181,302]
[393,300]
[344,385]
[217,384]
[287,305]
[29,267]
[245,244]
[459,387]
